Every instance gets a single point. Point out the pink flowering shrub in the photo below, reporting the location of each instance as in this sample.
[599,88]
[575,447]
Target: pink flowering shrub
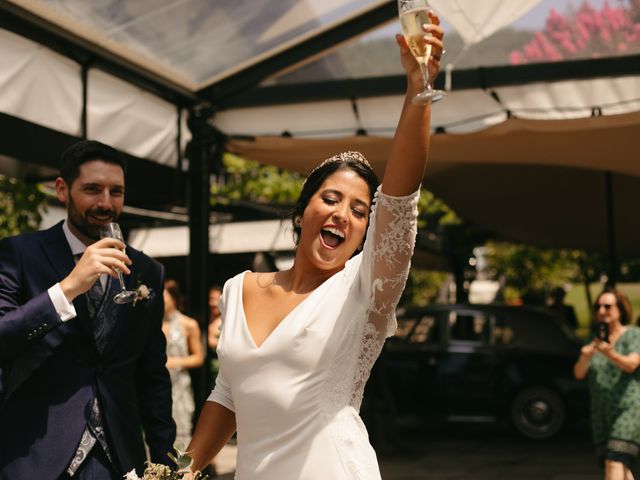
[585,32]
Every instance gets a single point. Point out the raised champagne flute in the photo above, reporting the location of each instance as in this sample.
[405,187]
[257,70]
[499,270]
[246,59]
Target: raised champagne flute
[112,230]
[413,15]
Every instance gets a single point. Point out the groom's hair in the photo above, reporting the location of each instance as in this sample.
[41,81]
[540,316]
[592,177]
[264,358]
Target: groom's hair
[86,151]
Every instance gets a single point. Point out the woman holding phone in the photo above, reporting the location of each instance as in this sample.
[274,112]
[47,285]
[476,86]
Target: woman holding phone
[611,363]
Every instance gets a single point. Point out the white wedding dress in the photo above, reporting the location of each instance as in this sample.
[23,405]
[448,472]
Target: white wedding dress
[296,397]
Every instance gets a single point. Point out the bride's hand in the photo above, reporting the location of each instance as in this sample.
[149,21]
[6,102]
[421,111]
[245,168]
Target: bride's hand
[433,36]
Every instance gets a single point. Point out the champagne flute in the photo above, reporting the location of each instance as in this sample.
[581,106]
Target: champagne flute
[413,14]
[112,230]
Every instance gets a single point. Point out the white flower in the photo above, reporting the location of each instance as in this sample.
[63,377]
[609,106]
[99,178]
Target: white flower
[131,475]
[142,293]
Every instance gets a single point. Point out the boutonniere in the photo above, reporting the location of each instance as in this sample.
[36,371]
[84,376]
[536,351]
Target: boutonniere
[142,292]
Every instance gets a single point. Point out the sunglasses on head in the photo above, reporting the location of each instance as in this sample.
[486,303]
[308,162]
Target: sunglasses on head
[607,306]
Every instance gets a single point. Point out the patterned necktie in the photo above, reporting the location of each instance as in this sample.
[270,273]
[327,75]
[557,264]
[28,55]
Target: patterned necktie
[95,300]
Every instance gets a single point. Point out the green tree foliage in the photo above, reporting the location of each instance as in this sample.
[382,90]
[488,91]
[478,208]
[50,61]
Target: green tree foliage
[423,287]
[248,180]
[20,206]
[433,212]
[526,268]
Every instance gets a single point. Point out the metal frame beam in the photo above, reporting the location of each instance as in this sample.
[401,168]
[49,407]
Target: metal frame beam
[252,76]
[484,78]
[38,145]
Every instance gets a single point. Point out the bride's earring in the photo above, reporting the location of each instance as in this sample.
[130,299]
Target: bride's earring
[297,221]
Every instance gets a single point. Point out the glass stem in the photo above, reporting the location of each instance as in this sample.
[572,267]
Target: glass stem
[424,68]
[121,280]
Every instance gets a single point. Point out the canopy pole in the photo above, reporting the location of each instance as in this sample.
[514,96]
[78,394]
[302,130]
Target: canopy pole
[611,231]
[85,93]
[200,155]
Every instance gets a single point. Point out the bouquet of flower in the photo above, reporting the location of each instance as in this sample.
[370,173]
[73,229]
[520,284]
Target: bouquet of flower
[155,471]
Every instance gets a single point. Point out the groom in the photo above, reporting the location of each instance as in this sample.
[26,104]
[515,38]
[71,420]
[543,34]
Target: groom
[83,378]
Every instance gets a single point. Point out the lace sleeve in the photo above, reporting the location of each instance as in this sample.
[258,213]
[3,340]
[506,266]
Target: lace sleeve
[386,257]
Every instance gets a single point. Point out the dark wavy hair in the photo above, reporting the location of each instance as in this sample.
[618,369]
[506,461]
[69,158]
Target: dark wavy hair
[622,302]
[86,151]
[345,161]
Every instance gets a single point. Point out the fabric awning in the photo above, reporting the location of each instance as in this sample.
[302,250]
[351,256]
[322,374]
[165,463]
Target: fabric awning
[536,181]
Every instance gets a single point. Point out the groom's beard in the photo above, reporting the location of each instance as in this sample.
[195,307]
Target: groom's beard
[82,222]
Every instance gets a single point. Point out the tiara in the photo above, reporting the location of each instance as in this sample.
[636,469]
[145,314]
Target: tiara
[343,157]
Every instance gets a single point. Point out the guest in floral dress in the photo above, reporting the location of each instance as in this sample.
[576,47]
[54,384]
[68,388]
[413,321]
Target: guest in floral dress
[614,384]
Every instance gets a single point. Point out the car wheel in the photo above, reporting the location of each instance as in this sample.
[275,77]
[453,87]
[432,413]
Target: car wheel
[538,413]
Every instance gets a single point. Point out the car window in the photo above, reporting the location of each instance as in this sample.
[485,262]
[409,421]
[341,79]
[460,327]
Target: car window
[503,332]
[468,326]
[422,329]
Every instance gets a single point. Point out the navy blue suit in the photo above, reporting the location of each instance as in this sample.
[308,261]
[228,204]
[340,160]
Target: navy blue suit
[51,370]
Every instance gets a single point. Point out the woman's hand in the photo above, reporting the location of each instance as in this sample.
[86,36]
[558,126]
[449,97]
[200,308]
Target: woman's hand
[433,36]
[581,368]
[588,350]
[173,362]
[603,347]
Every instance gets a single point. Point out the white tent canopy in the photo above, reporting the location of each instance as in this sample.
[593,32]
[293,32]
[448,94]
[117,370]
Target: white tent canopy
[44,87]
[475,20]
[463,111]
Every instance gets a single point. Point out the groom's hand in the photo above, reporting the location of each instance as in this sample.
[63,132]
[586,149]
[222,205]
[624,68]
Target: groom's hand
[101,257]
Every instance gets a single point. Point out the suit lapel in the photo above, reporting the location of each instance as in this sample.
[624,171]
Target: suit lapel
[56,249]
[131,280]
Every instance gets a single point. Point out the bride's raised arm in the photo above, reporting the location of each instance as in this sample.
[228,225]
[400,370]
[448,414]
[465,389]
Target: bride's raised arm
[391,237]
[410,148]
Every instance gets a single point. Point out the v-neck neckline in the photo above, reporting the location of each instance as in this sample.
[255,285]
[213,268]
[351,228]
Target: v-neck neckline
[245,323]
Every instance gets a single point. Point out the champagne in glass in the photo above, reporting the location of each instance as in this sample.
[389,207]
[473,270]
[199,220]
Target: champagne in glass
[112,230]
[414,14]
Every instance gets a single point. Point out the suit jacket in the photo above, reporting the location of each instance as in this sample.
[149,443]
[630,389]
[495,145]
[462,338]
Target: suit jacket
[52,369]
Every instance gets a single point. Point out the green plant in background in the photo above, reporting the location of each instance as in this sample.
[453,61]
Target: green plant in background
[526,268]
[423,287]
[433,212]
[21,205]
[249,180]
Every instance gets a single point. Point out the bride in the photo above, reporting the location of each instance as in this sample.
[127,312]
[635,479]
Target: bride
[297,346]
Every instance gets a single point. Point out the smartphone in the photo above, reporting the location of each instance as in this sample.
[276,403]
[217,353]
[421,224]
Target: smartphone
[603,331]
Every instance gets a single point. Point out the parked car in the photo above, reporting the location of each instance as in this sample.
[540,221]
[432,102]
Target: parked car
[483,362]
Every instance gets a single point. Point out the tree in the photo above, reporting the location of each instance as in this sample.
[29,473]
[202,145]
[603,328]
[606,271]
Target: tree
[585,32]
[526,268]
[21,204]
[248,180]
